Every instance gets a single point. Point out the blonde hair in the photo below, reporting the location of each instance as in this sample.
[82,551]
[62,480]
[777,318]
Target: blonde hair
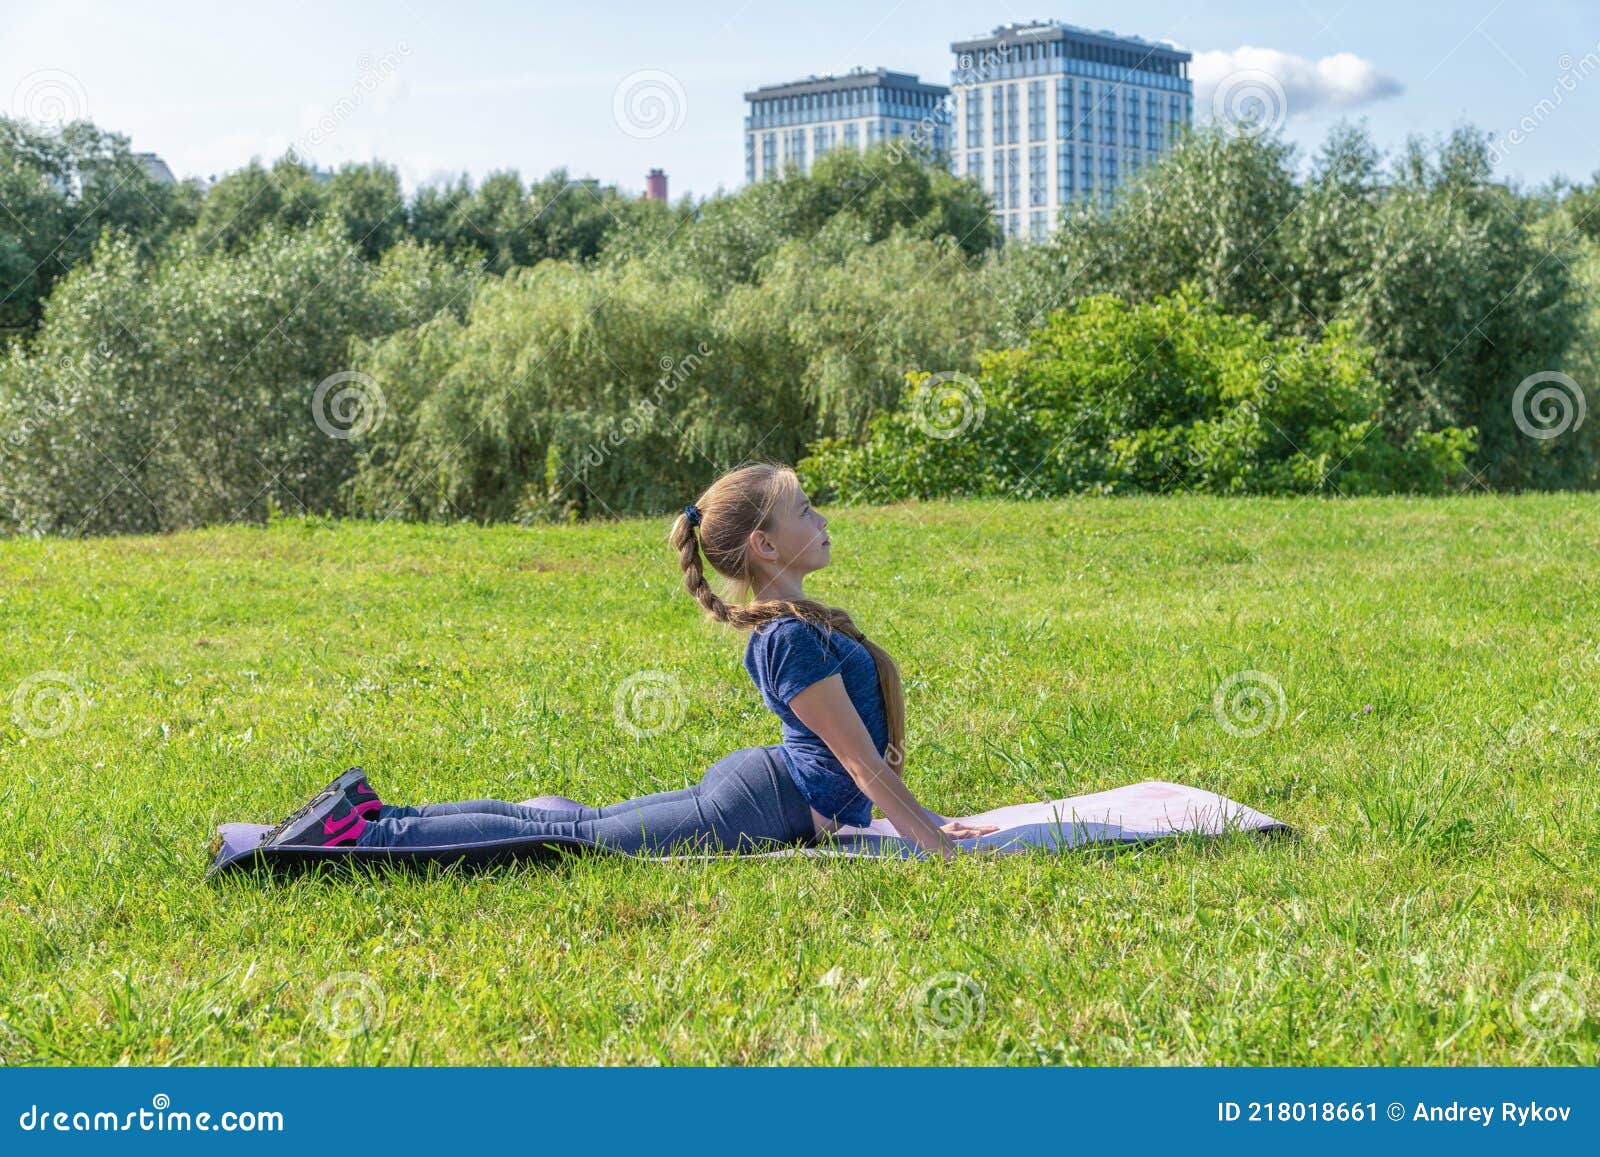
[737,503]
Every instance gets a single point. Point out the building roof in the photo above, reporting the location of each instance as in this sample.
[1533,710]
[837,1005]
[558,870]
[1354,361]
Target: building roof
[155,168]
[1048,30]
[856,78]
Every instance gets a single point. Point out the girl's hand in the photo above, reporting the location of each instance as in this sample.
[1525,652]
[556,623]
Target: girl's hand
[958,830]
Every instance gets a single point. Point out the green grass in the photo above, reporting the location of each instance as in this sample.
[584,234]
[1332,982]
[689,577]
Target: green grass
[1445,857]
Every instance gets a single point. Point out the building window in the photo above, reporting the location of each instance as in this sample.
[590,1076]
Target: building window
[975,119]
[997,119]
[1038,225]
[821,141]
[749,158]
[1064,110]
[1085,112]
[1013,179]
[975,167]
[1014,224]
[1013,133]
[794,151]
[1036,110]
[1064,173]
[997,185]
[852,135]
[1038,177]
[769,154]
[1109,124]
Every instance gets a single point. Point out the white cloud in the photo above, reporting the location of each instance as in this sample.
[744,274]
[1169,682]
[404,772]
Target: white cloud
[1304,87]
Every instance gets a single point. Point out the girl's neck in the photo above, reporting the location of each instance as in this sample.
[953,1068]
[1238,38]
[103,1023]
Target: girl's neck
[782,585]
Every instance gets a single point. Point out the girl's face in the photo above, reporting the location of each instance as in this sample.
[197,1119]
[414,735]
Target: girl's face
[797,539]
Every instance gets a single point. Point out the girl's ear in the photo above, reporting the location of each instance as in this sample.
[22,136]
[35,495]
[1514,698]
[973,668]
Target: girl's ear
[762,546]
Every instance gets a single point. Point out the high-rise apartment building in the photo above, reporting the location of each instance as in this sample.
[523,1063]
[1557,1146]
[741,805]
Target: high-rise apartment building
[789,126]
[1047,115]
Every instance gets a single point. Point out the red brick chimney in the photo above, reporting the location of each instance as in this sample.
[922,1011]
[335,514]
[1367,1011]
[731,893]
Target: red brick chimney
[655,185]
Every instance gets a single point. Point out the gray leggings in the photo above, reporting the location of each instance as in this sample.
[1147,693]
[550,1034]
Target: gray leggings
[745,802]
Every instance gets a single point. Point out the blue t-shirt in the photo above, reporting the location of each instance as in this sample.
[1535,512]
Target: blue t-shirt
[786,656]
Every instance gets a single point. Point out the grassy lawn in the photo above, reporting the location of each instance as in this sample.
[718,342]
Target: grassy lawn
[1438,906]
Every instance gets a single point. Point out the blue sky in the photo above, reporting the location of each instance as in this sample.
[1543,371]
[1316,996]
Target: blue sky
[440,88]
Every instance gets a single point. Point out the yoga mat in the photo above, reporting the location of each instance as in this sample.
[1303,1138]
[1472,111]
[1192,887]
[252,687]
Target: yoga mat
[1137,813]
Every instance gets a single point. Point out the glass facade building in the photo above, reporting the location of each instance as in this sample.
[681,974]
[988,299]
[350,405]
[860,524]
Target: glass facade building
[1064,111]
[789,126]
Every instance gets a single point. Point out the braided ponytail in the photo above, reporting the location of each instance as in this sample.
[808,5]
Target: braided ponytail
[734,505]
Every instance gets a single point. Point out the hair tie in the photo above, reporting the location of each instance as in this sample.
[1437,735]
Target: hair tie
[692,513]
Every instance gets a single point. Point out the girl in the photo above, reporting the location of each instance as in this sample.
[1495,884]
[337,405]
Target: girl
[836,693]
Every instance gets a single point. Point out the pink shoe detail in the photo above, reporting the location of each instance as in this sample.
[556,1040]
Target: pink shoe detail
[350,835]
[354,821]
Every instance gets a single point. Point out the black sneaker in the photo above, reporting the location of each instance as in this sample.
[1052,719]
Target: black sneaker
[336,815]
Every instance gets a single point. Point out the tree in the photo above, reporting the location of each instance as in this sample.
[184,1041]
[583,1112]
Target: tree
[616,388]
[866,196]
[1171,395]
[510,224]
[60,191]
[369,202]
[206,386]
[1443,273]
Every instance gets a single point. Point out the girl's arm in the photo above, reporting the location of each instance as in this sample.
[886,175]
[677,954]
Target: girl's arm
[825,707]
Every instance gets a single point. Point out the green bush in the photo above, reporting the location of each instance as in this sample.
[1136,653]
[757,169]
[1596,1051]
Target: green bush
[1171,395]
[206,386]
[575,391]
[1443,272]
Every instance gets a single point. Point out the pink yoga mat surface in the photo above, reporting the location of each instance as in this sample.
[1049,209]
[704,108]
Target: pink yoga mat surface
[1138,812]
